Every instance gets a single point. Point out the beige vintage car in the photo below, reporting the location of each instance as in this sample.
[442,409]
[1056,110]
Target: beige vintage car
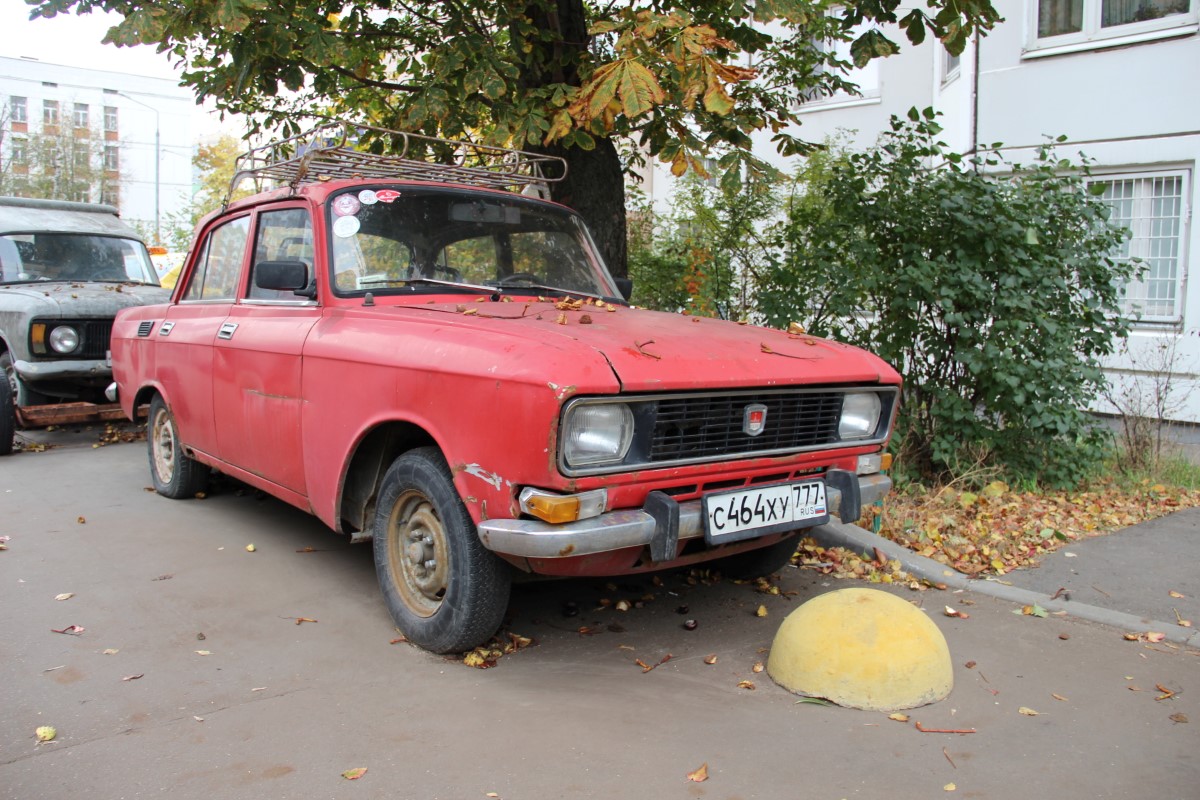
[65,270]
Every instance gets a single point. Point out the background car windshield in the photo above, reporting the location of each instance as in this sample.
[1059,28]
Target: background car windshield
[458,237]
[28,257]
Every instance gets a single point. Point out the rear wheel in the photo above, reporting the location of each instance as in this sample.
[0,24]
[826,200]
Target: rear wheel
[760,562]
[174,473]
[445,591]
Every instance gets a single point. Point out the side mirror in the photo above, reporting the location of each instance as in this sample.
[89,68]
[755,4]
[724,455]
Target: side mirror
[281,276]
[625,287]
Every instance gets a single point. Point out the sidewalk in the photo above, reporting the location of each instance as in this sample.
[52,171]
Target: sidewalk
[1123,580]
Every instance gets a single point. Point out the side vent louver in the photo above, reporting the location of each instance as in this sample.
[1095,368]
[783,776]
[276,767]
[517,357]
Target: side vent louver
[145,327]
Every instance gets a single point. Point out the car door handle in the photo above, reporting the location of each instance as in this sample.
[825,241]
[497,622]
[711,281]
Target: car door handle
[227,330]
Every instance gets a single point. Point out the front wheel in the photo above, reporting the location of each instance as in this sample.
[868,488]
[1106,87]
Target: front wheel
[8,408]
[445,591]
[174,473]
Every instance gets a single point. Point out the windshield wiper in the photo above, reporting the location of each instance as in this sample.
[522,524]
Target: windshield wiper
[541,287]
[369,284]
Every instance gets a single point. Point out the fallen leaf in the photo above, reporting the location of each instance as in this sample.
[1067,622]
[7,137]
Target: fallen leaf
[622,605]
[133,677]
[1178,718]
[700,775]
[795,329]
[758,667]
[354,774]
[64,596]
[250,548]
[898,717]
[165,577]
[923,729]
[710,659]
[746,685]
[814,701]
[969,665]
[953,612]
[761,612]
[1176,595]
[111,651]
[1059,697]
[1027,711]
[491,794]
[300,620]
[1167,694]
[81,521]
[204,652]
[45,733]
[198,719]
[1034,611]
[949,787]
[1155,636]
[71,630]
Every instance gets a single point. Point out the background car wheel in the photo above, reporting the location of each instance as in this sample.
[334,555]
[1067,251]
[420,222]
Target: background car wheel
[760,562]
[175,474]
[444,589]
[8,409]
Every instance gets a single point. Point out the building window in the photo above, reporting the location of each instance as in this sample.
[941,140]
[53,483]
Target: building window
[110,119]
[109,196]
[81,115]
[80,194]
[112,157]
[1084,22]
[1151,207]
[865,78]
[49,112]
[17,109]
[951,66]
[19,151]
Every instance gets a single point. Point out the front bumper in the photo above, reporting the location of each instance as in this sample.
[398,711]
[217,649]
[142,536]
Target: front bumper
[34,372]
[656,525]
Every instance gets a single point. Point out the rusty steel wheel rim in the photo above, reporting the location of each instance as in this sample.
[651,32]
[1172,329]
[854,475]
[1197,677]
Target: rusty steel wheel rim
[418,553]
[162,439]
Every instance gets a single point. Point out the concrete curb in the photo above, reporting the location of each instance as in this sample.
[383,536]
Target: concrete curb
[852,537]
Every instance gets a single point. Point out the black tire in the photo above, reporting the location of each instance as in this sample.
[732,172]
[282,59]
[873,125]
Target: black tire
[445,591]
[175,474]
[761,562]
[8,406]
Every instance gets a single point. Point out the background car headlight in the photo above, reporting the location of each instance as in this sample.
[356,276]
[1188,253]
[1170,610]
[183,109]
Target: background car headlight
[64,339]
[597,433]
[860,415]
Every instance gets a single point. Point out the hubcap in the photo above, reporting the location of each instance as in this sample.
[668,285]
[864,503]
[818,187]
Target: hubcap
[162,440]
[419,559]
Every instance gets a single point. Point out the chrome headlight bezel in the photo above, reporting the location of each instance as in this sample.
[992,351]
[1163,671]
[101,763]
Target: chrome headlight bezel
[861,412]
[595,434]
[64,339]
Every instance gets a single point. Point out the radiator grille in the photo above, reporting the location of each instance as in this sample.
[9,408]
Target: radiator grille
[710,427]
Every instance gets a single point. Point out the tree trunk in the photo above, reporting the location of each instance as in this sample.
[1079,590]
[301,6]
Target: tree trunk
[594,185]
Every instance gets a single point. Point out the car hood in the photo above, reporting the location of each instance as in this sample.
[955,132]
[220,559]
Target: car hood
[654,351]
[78,299]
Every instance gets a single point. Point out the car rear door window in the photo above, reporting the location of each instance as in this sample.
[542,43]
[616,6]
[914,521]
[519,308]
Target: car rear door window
[219,262]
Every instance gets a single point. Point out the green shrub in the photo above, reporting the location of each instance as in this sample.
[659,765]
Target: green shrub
[988,284]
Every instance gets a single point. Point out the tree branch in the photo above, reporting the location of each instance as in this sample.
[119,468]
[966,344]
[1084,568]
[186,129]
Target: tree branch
[399,87]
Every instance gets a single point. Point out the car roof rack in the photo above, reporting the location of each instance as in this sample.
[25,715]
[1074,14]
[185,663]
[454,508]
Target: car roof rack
[328,152]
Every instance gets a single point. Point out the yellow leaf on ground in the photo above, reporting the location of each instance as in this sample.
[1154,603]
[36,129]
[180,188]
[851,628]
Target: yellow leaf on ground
[700,775]
[1027,711]
[898,717]
[45,733]
[949,787]
[354,774]
[761,612]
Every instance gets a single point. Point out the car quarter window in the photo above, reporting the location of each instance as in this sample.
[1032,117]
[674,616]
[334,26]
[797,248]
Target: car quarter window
[219,262]
[283,235]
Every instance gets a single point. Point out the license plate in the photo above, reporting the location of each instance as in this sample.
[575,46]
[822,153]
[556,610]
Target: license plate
[746,513]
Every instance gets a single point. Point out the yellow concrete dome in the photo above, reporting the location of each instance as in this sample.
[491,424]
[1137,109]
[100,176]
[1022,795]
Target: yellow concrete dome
[862,648]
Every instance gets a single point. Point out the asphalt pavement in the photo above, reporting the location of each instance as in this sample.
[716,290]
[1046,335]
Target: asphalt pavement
[196,676]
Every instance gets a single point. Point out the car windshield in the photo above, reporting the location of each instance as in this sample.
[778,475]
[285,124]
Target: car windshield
[417,239]
[31,257]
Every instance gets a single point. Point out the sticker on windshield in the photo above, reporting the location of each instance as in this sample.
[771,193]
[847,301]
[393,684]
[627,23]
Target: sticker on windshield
[386,195]
[345,226]
[367,197]
[346,205]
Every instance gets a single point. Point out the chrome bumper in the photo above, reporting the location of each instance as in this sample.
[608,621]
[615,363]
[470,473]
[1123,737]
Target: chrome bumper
[616,530]
[34,371]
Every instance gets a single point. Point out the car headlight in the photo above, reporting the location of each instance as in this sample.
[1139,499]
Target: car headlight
[860,415]
[64,339]
[597,433]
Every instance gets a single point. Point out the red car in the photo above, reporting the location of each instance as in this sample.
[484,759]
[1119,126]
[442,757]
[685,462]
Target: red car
[422,357]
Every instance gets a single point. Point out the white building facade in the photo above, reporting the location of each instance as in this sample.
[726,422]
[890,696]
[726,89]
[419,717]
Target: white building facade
[145,124]
[1118,79]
